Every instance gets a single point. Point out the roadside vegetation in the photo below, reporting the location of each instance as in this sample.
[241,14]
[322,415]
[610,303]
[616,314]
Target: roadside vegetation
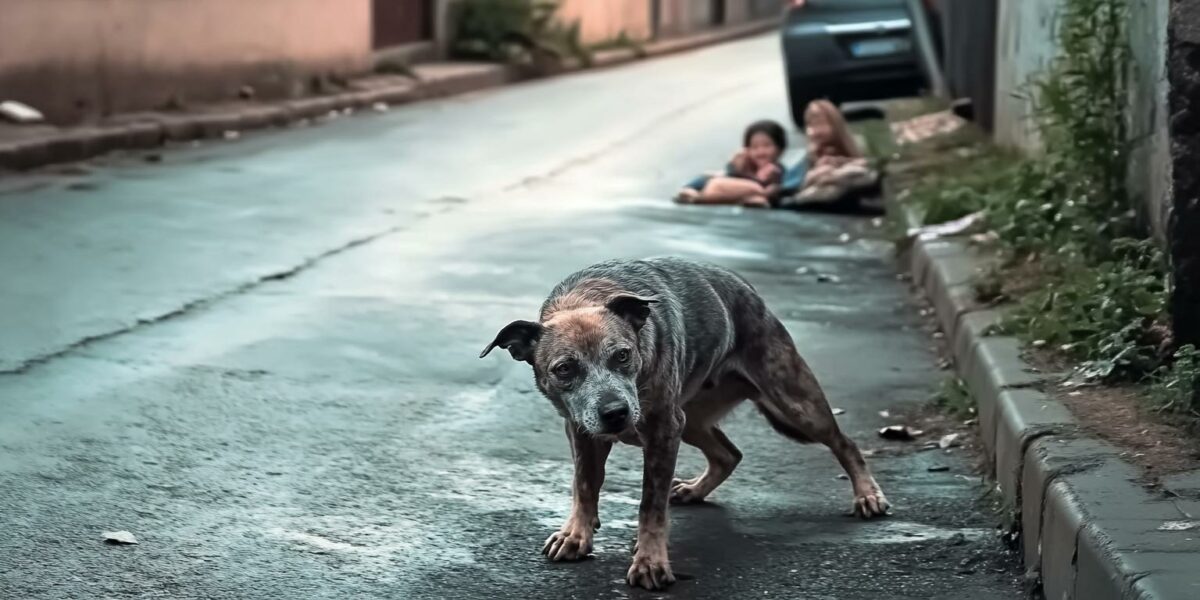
[516,31]
[1075,264]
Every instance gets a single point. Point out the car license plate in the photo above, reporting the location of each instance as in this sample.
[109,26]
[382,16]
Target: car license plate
[880,47]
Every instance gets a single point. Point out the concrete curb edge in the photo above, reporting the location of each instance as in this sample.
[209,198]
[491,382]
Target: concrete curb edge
[1087,525]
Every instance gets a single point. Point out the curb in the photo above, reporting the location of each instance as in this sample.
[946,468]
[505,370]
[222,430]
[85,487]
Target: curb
[151,130]
[1087,526]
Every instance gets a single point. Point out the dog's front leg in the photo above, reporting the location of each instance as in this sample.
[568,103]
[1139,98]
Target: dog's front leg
[660,432]
[574,540]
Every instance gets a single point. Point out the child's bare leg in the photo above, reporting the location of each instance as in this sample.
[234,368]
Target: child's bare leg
[763,200]
[730,190]
[758,201]
[687,195]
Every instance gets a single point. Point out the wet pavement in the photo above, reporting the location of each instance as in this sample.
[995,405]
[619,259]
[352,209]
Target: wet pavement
[259,357]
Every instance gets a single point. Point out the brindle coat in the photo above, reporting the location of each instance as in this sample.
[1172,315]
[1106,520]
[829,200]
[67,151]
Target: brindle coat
[652,352]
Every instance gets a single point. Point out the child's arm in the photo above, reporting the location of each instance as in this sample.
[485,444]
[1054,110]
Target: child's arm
[768,173]
[739,164]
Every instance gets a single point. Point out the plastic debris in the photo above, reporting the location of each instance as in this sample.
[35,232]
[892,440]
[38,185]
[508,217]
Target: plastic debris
[899,432]
[119,537]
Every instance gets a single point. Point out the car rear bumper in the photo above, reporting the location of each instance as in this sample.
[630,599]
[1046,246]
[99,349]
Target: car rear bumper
[819,48]
[817,55]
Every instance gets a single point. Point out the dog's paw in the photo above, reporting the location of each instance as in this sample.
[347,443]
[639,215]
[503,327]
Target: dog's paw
[569,543]
[651,571]
[871,504]
[687,492]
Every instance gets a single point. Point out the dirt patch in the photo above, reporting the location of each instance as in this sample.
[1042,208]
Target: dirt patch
[1118,415]
[1115,415]
[902,109]
[1003,283]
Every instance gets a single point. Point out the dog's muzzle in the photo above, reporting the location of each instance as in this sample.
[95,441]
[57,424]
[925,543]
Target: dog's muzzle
[614,416]
[605,406]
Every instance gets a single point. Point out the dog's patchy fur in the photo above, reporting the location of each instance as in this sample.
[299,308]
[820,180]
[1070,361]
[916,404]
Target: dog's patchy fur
[652,352]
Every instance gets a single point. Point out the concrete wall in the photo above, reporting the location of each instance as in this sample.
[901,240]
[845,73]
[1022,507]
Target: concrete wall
[683,16]
[969,54]
[688,16]
[603,21]
[76,58]
[1025,45]
[1150,154]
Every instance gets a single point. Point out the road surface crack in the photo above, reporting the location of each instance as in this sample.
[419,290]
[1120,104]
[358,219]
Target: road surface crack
[24,365]
[188,307]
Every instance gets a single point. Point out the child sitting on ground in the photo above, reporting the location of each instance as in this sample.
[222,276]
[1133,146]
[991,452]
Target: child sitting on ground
[835,165]
[752,177]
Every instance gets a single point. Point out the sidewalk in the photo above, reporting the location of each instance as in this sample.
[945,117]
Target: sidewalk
[1091,524]
[27,147]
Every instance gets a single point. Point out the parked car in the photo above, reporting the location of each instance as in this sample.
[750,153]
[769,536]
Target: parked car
[848,50]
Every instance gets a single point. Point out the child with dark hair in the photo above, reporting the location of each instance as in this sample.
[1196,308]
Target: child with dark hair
[752,177]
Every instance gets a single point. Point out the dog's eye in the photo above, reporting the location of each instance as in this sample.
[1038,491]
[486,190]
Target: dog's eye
[564,370]
[623,355]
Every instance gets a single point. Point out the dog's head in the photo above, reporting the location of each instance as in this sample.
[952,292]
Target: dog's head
[586,360]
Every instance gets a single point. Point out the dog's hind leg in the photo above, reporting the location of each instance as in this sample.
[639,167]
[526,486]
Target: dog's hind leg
[703,414]
[722,457]
[793,402]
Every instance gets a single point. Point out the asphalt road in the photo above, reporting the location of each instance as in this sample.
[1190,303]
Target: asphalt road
[260,358]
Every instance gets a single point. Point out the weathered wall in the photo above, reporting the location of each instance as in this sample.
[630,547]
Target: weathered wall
[1025,45]
[969,56]
[688,16]
[75,58]
[684,16]
[740,11]
[1150,152]
[602,21]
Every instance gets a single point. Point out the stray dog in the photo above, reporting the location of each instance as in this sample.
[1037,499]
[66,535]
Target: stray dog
[651,352]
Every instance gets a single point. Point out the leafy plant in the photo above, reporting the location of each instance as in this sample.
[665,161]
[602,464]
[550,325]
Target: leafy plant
[514,31]
[989,285]
[1104,288]
[1073,196]
[621,42]
[1106,315]
[970,188]
[395,66]
[955,398]
[1176,387]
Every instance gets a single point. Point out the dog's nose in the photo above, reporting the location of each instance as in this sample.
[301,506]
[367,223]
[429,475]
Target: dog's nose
[614,417]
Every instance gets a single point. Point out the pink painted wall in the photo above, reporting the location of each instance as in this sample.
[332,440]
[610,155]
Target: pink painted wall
[602,21]
[75,59]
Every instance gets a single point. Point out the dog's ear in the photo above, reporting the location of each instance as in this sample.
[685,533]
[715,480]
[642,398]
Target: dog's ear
[634,309]
[519,338]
